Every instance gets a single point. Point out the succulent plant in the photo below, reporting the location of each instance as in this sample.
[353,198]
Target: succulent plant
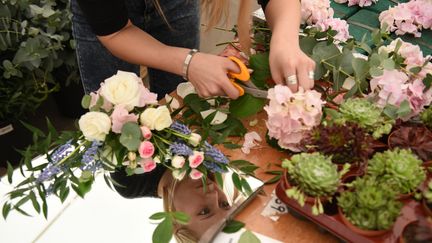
[426,117]
[427,193]
[313,175]
[399,168]
[347,143]
[370,204]
[366,114]
[416,138]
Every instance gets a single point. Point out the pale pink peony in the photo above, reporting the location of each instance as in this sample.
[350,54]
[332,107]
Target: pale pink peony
[146,97]
[313,11]
[195,174]
[148,164]
[120,116]
[290,115]
[196,159]
[95,96]
[146,149]
[341,26]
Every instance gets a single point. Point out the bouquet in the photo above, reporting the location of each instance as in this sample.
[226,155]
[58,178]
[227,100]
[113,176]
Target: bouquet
[125,128]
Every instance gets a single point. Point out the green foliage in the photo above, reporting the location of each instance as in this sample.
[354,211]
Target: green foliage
[399,168]
[426,117]
[366,114]
[370,205]
[313,175]
[233,226]
[248,237]
[35,41]
[246,105]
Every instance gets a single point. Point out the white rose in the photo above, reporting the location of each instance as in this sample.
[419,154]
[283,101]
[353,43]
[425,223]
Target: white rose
[122,89]
[194,139]
[95,125]
[178,161]
[156,118]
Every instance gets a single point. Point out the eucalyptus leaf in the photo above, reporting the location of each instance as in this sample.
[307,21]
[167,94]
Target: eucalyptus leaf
[158,216]
[181,217]
[130,136]
[404,109]
[85,102]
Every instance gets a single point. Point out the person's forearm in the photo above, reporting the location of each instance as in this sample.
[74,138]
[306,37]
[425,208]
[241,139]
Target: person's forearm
[283,17]
[135,46]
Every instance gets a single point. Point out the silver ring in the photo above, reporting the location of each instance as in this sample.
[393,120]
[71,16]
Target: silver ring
[311,74]
[291,79]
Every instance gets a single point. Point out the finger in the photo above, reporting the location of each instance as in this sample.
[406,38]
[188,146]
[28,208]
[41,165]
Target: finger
[277,76]
[292,79]
[231,66]
[229,89]
[303,77]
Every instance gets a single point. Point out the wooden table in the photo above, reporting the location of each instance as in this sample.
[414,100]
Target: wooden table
[287,228]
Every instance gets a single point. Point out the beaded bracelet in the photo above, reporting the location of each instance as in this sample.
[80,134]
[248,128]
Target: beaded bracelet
[186,63]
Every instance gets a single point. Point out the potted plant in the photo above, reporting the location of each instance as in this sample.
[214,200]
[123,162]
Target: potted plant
[369,207]
[427,199]
[400,168]
[35,41]
[415,137]
[312,178]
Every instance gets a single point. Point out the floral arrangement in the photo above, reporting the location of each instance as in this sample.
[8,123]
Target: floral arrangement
[339,25]
[124,129]
[361,3]
[291,115]
[411,17]
[312,11]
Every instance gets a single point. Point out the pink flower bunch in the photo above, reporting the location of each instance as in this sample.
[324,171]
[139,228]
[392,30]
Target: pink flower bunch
[410,17]
[394,86]
[361,3]
[291,115]
[341,26]
[313,11]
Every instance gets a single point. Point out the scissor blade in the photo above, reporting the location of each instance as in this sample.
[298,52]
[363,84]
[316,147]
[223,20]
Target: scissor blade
[258,93]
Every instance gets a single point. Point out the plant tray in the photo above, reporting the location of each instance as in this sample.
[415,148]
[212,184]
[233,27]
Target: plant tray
[332,222]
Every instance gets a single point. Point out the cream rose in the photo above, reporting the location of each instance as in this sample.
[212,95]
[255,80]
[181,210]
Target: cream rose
[95,125]
[122,89]
[156,118]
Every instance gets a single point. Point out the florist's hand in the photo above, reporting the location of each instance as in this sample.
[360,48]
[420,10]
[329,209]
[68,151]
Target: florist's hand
[291,66]
[208,74]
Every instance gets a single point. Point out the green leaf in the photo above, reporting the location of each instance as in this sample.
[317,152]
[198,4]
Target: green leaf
[232,145]
[248,237]
[361,68]
[388,64]
[415,70]
[307,44]
[196,103]
[158,216]
[375,72]
[404,109]
[390,111]
[233,226]
[181,217]
[245,184]
[427,82]
[35,203]
[163,232]
[237,182]
[82,188]
[6,210]
[260,64]
[21,211]
[131,136]
[9,172]
[246,105]
[64,194]
[219,179]
[273,180]
[85,101]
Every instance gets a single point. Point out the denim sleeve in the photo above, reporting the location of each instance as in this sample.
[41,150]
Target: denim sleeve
[263,3]
[104,16]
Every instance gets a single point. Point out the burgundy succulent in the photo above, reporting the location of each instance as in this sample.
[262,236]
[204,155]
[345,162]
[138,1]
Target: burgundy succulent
[416,138]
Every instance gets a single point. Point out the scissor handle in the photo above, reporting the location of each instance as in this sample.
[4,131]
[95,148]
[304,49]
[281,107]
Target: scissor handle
[244,72]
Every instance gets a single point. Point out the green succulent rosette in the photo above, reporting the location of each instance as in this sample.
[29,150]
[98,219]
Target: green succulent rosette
[313,175]
[366,114]
[370,205]
[426,117]
[400,168]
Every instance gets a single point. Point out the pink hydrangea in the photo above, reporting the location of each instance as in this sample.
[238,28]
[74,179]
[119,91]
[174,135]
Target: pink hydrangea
[361,3]
[313,11]
[341,26]
[120,116]
[291,115]
[410,17]
[411,53]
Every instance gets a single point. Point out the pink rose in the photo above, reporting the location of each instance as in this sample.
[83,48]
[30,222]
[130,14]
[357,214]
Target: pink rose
[95,96]
[196,159]
[146,149]
[120,116]
[148,164]
[146,132]
[146,97]
[195,174]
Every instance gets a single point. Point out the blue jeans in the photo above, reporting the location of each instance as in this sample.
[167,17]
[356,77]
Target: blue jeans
[96,63]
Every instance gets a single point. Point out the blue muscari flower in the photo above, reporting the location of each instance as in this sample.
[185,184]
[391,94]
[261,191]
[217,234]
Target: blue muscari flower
[214,167]
[180,149]
[48,172]
[215,153]
[60,153]
[52,168]
[88,160]
[180,127]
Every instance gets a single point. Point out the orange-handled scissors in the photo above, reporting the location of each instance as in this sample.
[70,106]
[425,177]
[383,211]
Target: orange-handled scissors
[243,75]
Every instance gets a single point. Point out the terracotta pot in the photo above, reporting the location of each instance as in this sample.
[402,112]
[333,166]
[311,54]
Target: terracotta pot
[369,233]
